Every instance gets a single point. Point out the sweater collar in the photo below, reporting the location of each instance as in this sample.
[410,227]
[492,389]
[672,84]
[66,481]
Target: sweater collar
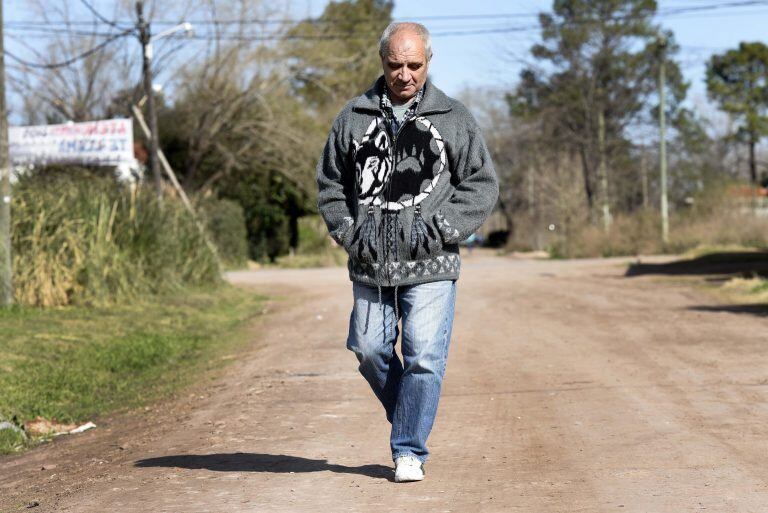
[433,101]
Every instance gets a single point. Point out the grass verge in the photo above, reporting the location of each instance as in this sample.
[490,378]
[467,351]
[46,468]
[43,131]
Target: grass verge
[76,363]
[733,275]
[752,290]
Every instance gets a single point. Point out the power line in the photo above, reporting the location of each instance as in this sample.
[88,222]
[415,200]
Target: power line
[96,13]
[44,30]
[710,7]
[493,16]
[42,33]
[287,21]
[72,60]
[54,31]
[340,36]
[319,20]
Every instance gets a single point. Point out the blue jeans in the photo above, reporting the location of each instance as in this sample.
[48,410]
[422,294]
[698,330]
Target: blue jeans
[409,390]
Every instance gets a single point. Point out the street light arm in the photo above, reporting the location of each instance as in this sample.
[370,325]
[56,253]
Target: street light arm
[186,27]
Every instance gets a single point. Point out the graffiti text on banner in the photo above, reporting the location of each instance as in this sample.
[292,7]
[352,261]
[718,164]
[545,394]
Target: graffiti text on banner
[105,143]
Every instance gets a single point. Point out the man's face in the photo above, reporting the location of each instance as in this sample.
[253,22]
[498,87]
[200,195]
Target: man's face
[405,65]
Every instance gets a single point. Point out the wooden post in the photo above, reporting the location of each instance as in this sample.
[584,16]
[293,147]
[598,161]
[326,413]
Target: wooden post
[146,50]
[6,263]
[602,171]
[663,143]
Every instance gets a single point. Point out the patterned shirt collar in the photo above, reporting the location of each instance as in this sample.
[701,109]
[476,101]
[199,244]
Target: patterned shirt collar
[386,107]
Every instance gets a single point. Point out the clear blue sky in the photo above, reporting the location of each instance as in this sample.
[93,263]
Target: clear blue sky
[495,59]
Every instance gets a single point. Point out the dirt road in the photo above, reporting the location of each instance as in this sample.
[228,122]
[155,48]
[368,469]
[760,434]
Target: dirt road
[569,388]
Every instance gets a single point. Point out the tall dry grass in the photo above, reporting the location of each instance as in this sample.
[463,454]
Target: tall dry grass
[714,220]
[640,234]
[93,241]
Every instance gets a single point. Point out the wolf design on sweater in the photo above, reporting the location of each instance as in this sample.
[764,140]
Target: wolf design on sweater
[373,162]
[419,159]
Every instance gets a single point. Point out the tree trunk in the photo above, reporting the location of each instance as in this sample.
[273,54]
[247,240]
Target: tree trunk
[587,174]
[752,159]
[293,243]
[753,170]
[507,217]
[644,178]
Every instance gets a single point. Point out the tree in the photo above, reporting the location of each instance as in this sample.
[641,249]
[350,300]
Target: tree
[234,133]
[246,127]
[738,81]
[597,80]
[235,120]
[335,57]
[78,92]
[505,140]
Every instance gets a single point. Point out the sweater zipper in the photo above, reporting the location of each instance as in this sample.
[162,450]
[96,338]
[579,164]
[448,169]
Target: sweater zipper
[394,148]
[394,167]
[394,142]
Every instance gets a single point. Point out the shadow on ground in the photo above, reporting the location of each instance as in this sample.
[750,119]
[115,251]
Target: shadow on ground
[747,263]
[717,267]
[250,462]
[750,309]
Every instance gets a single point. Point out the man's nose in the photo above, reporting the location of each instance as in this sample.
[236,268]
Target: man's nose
[405,75]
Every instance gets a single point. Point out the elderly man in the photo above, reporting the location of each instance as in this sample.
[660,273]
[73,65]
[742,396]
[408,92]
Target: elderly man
[404,177]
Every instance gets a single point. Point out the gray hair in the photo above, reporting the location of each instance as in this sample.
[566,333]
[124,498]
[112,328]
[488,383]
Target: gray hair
[397,26]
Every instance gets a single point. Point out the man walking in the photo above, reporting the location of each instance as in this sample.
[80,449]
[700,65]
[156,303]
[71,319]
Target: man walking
[404,177]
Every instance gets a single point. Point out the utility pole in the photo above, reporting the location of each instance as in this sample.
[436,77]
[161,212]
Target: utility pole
[532,207]
[644,176]
[602,171]
[6,269]
[146,46]
[663,141]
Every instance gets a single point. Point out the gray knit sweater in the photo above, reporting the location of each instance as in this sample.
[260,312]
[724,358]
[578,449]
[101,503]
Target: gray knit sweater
[400,203]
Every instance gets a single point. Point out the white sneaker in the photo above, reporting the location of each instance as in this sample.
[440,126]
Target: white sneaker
[408,468]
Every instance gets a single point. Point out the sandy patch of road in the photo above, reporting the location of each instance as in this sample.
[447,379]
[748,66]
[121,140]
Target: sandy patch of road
[569,388]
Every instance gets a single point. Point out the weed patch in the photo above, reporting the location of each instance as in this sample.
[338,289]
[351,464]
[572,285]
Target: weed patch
[73,364]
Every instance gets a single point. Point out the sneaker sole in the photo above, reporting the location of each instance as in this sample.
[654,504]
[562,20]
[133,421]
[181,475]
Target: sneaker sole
[412,480]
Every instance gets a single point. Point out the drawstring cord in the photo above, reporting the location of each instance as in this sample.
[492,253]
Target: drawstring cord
[377,272]
[386,229]
[397,313]
[397,253]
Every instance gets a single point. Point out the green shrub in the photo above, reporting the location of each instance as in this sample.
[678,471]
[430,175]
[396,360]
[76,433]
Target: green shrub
[313,235]
[225,221]
[315,247]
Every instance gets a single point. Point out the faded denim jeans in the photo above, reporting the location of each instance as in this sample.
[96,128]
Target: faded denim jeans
[408,389]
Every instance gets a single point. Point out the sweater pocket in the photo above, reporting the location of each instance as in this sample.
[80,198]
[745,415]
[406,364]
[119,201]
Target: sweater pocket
[448,233]
[341,235]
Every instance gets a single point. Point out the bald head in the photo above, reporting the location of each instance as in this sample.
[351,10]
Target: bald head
[415,28]
[405,50]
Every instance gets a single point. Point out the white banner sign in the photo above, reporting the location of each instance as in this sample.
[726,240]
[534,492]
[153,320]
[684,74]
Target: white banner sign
[106,143]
